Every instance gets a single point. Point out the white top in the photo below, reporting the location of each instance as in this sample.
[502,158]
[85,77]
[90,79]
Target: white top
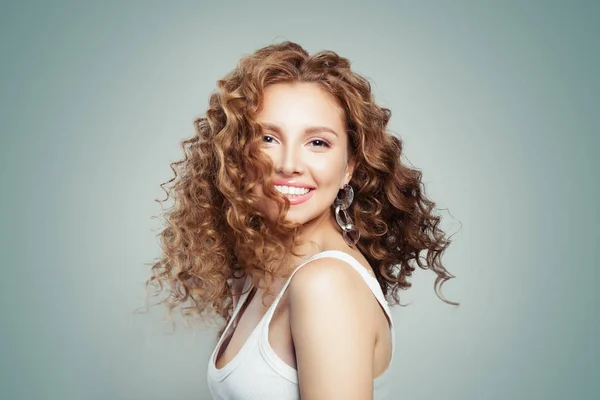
[257,373]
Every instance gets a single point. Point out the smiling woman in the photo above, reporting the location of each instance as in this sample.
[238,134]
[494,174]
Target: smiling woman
[301,122]
[296,222]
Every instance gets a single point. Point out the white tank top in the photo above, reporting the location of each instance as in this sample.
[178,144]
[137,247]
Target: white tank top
[257,373]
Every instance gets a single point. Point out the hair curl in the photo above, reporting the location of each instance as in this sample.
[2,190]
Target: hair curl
[214,232]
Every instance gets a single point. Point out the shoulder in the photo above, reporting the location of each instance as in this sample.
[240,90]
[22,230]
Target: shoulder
[333,330]
[325,274]
[327,285]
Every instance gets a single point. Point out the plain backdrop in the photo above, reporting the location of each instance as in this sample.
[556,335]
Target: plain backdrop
[497,103]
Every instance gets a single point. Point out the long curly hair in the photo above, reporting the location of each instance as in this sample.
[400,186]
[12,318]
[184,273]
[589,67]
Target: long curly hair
[214,231]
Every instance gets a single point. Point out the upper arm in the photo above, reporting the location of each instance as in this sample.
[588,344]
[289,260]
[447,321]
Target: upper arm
[332,327]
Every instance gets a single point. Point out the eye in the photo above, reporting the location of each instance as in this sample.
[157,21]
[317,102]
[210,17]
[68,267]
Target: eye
[268,139]
[319,143]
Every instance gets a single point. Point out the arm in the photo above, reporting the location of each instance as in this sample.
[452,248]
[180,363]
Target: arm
[333,331]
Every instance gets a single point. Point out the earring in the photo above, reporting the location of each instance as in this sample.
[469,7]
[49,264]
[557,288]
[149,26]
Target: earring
[343,219]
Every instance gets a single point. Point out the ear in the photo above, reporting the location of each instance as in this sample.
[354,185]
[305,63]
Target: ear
[348,173]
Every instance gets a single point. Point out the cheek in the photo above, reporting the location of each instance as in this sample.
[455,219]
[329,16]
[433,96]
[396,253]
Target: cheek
[328,171]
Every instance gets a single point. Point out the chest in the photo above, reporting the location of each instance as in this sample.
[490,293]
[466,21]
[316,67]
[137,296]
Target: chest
[248,320]
[279,336]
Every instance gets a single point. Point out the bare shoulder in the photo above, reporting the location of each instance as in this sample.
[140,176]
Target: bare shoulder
[332,326]
[322,273]
[328,285]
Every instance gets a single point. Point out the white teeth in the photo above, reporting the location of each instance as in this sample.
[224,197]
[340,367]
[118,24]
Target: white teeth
[292,190]
[282,189]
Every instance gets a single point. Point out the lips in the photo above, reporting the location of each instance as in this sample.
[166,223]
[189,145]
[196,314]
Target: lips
[299,199]
[294,190]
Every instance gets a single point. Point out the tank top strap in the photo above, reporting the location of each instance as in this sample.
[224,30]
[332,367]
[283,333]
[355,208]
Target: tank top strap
[245,292]
[370,280]
[269,314]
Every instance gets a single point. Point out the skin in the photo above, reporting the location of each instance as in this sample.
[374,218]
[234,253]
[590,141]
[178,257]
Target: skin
[305,136]
[333,329]
[334,321]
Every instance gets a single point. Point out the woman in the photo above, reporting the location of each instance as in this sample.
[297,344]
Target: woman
[294,219]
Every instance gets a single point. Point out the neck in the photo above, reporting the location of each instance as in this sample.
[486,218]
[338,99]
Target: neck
[316,236]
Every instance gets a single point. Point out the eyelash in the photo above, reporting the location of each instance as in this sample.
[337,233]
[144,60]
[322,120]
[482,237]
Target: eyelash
[267,137]
[325,143]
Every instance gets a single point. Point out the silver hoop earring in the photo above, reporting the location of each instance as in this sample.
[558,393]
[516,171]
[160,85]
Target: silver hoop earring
[342,203]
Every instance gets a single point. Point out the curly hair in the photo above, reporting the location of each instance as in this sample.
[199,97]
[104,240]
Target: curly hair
[214,231]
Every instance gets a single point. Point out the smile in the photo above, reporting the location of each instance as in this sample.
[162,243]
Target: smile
[291,190]
[295,195]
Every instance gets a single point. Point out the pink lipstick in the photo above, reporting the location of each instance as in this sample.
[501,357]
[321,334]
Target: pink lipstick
[299,199]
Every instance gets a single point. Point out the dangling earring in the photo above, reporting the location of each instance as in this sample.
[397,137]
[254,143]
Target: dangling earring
[351,234]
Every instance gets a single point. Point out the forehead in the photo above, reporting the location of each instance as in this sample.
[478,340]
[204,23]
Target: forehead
[288,104]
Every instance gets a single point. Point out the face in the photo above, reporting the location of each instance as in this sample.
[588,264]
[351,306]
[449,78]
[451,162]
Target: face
[305,137]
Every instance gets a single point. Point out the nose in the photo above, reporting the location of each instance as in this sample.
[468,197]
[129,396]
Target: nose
[290,161]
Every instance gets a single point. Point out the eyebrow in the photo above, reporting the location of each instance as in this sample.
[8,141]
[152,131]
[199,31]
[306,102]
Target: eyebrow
[311,129]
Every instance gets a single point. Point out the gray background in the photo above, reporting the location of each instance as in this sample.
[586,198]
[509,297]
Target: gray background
[497,103]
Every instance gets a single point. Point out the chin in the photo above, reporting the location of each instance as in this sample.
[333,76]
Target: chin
[296,220]
[304,218]
[291,218]
[298,214]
